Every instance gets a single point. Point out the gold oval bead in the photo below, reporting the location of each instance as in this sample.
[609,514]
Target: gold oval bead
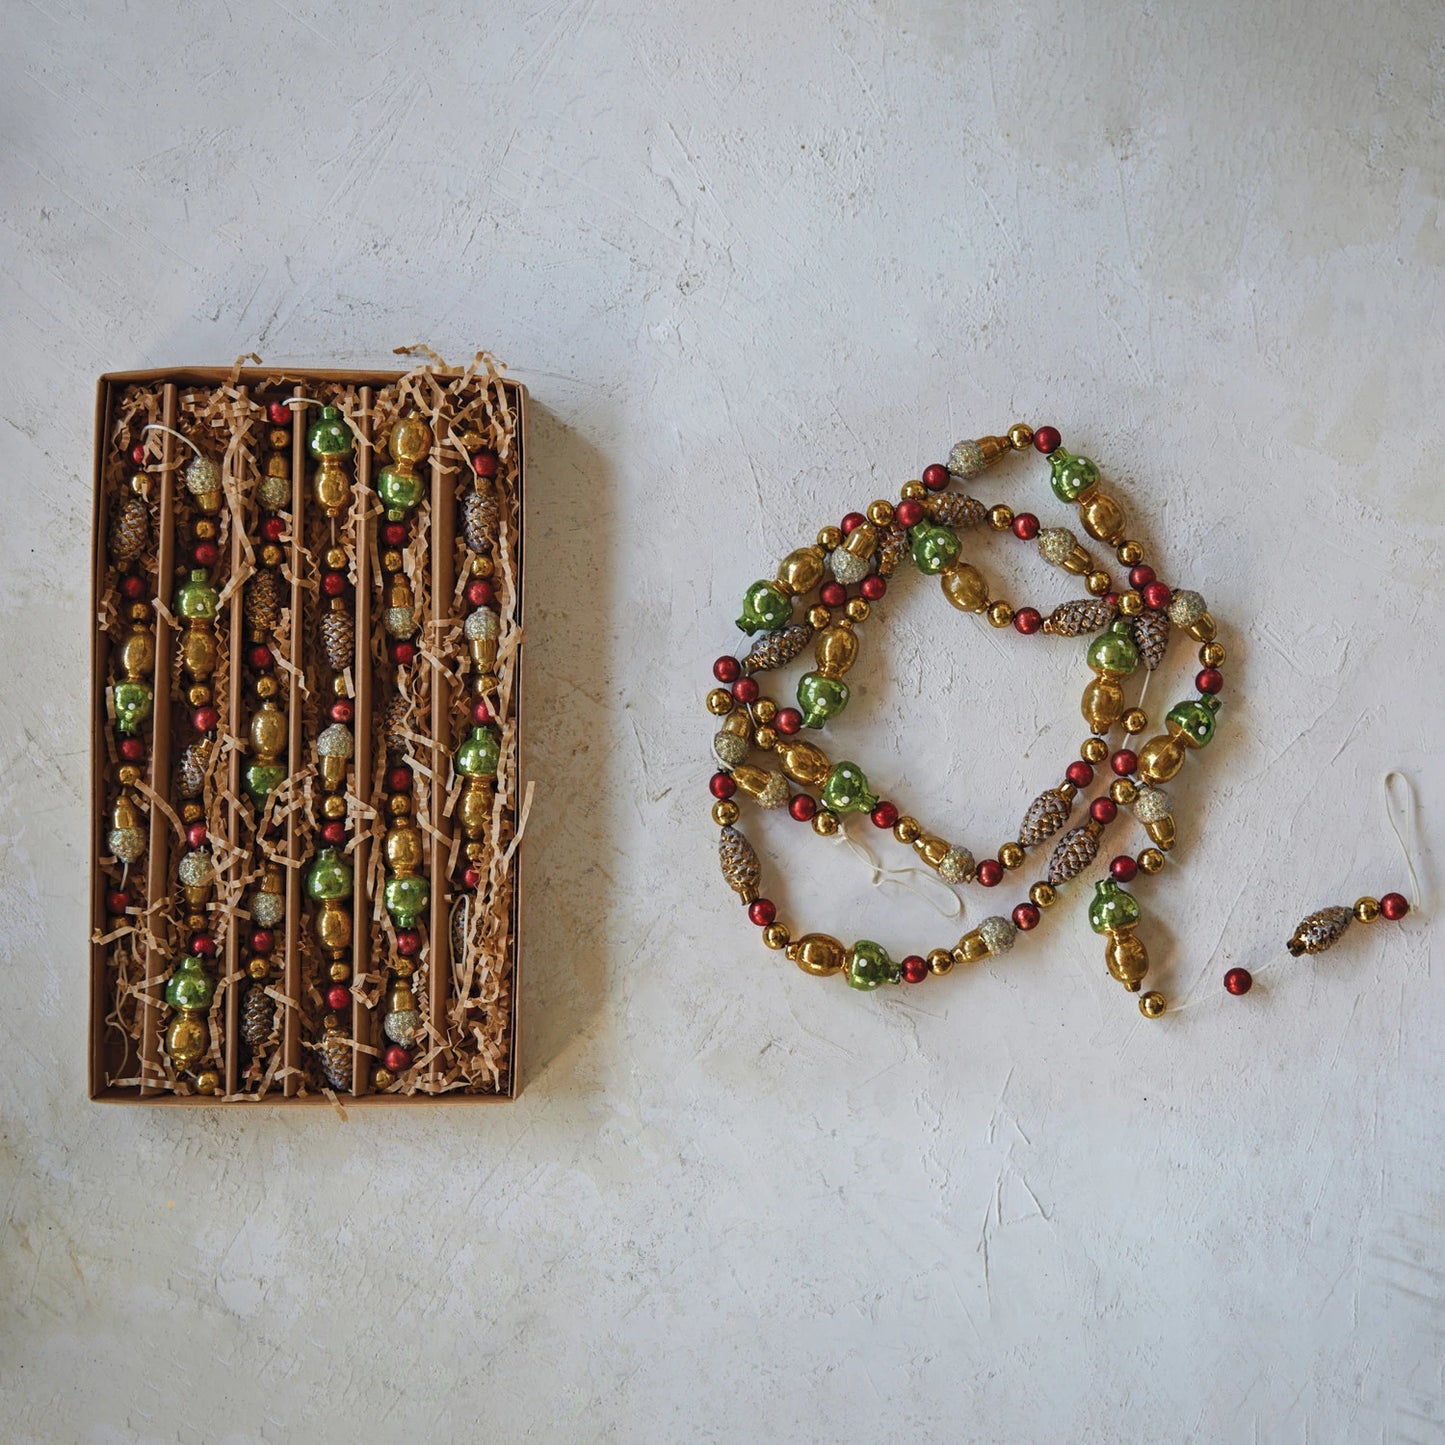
[801,571]
[819,954]
[268,733]
[964,586]
[138,654]
[1101,705]
[403,848]
[836,650]
[1102,516]
[804,763]
[1126,957]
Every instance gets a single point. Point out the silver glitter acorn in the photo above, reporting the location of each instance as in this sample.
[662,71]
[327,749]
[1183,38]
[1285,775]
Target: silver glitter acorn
[998,934]
[967,460]
[956,866]
[1186,608]
[1056,544]
[846,567]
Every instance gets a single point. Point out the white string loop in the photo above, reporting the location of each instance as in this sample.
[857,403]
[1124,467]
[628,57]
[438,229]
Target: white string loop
[879,874]
[1406,840]
[156,426]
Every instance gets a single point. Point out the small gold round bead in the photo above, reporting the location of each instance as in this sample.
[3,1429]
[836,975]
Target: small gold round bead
[1000,614]
[205,529]
[398,805]
[267,686]
[391,560]
[192,812]
[825,824]
[140,611]
[482,565]
[382,1078]
[1123,791]
[198,694]
[197,922]
[765,709]
[719,702]
[1094,750]
[766,738]
[858,609]
[1011,855]
[340,686]
[907,829]
[403,967]
[333,806]
[258,967]
[1151,860]
[128,775]
[1367,909]
[270,555]
[1000,518]
[940,961]
[829,537]
[724,812]
[1021,436]
[1131,604]
[819,617]
[1152,1005]
[1130,554]
[336,558]
[1097,583]
[279,437]
[776,936]
[1135,720]
[913,491]
[208,1081]
[880,513]
[1042,895]
[1212,654]
[340,972]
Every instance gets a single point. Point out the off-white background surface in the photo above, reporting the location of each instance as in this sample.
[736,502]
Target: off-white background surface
[759,263]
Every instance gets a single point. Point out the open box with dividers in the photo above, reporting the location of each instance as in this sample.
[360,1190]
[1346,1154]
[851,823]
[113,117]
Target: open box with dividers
[306,764]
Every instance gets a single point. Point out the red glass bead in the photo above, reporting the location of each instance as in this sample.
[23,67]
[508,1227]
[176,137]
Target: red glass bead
[1079,773]
[480,592]
[205,718]
[338,997]
[138,454]
[1141,576]
[132,750]
[394,534]
[745,689]
[852,522]
[397,1059]
[873,587]
[343,710]
[1103,810]
[990,872]
[272,528]
[280,413]
[762,912]
[803,807]
[1123,869]
[1238,981]
[117,901]
[727,669]
[333,584]
[408,941]
[203,945]
[832,594]
[196,835]
[402,653]
[721,785]
[885,815]
[472,877]
[132,588]
[909,512]
[1047,439]
[1026,916]
[935,476]
[481,712]
[1028,620]
[915,969]
[1026,526]
[484,463]
[1156,595]
[1211,680]
[1124,762]
[260,657]
[1394,906]
[262,940]
[334,831]
[1110,599]
[787,721]
[205,554]
[398,779]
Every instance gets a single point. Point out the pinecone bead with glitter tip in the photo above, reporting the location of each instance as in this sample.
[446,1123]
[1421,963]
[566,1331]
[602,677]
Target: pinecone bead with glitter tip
[1073,853]
[1321,930]
[740,867]
[1046,815]
[335,1054]
[1151,636]
[1074,619]
[258,1017]
[952,509]
[480,515]
[338,640]
[777,649]
[130,532]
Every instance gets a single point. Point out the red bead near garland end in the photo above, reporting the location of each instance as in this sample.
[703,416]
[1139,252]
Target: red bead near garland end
[914,968]
[1394,906]
[1238,981]
[885,815]
[762,912]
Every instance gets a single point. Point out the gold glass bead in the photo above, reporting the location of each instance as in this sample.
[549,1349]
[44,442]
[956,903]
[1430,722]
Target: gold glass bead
[1131,604]
[1152,1005]
[1067,791]
[1011,855]
[906,829]
[1000,517]
[719,702]
[913,491]
[765,709]
[971,948]
[819,617]
[192,812]
[1097,583]
[267,686]
[403,967]
[270,555]
[482,566]
[128,775]
[830,537]
[776,936]
[1211,654]
[398,805]
[333,807]
[1000,614]
[208,1081]
[1130,554]
[382,1078]
[198,694]
[340,972]
[724,812]
[1203,628]
[1135,720]
[880,513]
[1123,791]
[1367,909]
[140,611]
[340,686]
[1042,895]
[857,609]
[766,738]
[1021,436]
[800,571]
[279,437]
[258,967]
[1151,860]
[940,961]
[205,529]
[391,560]
[825,824]
[1094,750]
[336,558]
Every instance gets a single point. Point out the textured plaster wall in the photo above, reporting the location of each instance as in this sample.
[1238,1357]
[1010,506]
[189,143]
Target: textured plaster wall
[759,263]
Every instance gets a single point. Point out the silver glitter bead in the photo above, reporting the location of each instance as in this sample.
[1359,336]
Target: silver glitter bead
[775,793]
[401,1026]
[1055,544]
[998,934]
[127,844]
[1151,804]
[401,621]
[483,625]
[956,866]
[1185,608]
[335,742]
[729,749]
[203,476]
[195,868]
[267,909]
[846,567]
[274,493]
[966,460]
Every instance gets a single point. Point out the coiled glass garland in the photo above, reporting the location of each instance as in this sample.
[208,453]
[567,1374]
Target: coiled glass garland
[847,573]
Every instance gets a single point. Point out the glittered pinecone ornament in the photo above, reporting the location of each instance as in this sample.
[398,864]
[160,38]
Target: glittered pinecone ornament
[950,509]
[194,762]
[895,548]
[264,595]
[335,1054]
[1320,930]
[1046,815]
[130,531]
[1074,619]
[1151,636]
[778,648]
[396,724]
[479,519]
[258,1017]
[739,864]
[1072,854]
[338,639]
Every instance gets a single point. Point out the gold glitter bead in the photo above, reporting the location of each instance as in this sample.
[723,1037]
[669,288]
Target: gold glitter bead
[880,513]
[906,829]
[766,738]
[1135,720]
[482,566]
[1151,860]
[1021,436]
[829,537]
[278,437]
[765,709]
[208,1081]
[1131,604]
[266,686]
[128,775]
[270,555]
[1000,518]
[1152,1004]
[719,702]
[1097,583]
[1367,909]
[725,812]
[1042,895]
[192,812]
[776,936]
[1130,554]
[382,1078]
[940,961]
[140,611]
[819,617]
[1011,855]
[391,560]
[1094,750]
[857,609]
[1212,654]
[340,972]
[913,491]
[825,824]
[258,968]
[1123,791]
[205,529]
[1000,614]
